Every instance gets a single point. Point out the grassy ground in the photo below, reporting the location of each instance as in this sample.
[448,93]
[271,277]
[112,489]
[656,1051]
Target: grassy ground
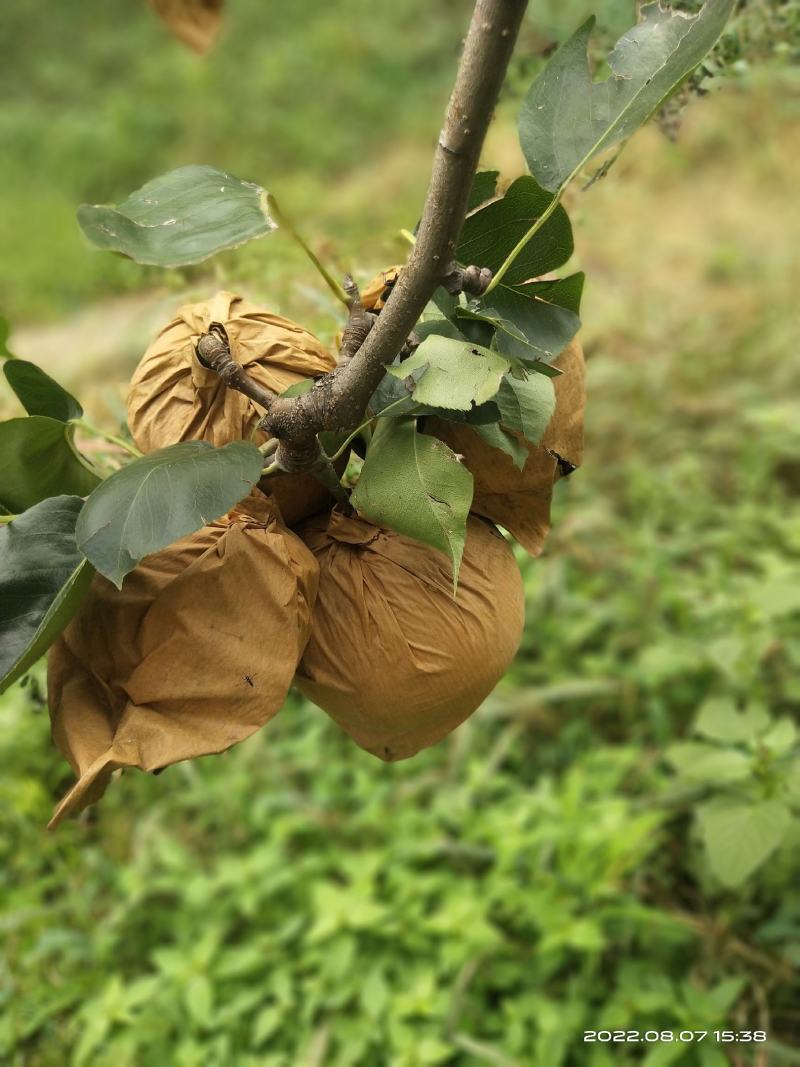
[295,903]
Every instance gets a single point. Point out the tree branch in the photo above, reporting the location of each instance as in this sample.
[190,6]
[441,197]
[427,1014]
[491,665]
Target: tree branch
[213,350]
[338,401]
[359,323]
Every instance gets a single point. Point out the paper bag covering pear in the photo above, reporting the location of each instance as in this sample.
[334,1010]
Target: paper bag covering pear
[519,500]
[375,294]
[173,397]
[193,654]
[394,658]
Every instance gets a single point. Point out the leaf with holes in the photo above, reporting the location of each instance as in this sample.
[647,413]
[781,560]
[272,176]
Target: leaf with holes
[180,218]
[414,484]
[40,394]
[160,498]
[43,579]
[567,118]
[458,375]
[38,460]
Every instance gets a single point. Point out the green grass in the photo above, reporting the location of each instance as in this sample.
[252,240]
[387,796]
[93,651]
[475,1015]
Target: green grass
[296,903]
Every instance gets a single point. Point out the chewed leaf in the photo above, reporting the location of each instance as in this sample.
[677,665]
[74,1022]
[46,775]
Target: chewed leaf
[415,485]
[43,578]
[457,374]
[182,217]
[567,118]
[160,498]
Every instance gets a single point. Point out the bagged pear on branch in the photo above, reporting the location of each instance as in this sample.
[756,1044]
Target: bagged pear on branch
[173,397]
[519,500]
[195,653]
[394,658]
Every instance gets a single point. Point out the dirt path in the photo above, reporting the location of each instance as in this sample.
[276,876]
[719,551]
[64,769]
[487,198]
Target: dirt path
[107,337]
[94,351]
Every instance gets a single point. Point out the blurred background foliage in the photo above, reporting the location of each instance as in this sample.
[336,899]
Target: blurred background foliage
[294,903]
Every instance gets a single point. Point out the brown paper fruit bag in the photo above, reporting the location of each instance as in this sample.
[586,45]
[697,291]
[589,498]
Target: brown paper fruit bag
[393,658]
[193,654]
[375,294]
[173,397]
[519,500]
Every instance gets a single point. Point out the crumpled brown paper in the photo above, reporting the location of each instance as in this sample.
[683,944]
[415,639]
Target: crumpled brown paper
[393,658]
[519,500]
[173,397]
[375,294]
[195,653]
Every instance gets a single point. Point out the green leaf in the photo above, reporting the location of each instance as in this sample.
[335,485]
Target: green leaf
[492,232]
[496,437]
[563,292]
[566,119]
[40,460]
[457,373]
[43,578]
[484,187]
[305,385]
[526,406]
[180,218]
[508,339]
[720,720]
[160,498]
[199,999]
[40,394]
[709,764]
[414,484]
[782,738]
[266,1023]
[5,329]
[393,389]
[739,836]
[541,313]
[441,327]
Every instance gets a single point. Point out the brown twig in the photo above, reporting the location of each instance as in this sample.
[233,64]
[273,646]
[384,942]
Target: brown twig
[339,400]
[474,281]
[214,351]
[358,325]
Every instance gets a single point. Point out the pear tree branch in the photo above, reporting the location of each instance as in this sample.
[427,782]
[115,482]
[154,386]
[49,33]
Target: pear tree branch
[338,400]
